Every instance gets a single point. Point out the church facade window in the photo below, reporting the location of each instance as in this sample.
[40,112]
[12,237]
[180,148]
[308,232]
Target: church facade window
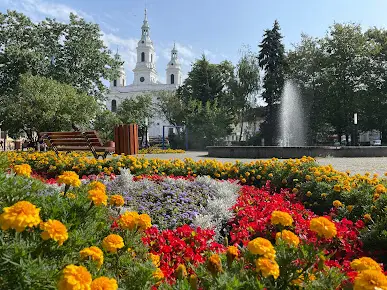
[123,82]
[142,79]
[172,79]
[114,106]
[142,56]
[115,83]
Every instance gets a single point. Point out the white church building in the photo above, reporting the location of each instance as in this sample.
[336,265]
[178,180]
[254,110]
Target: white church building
[145,79]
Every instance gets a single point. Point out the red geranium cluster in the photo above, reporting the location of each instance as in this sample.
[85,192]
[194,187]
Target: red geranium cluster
[252,218]
[184,245]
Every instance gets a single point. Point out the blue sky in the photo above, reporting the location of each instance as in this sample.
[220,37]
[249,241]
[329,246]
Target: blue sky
[218,28]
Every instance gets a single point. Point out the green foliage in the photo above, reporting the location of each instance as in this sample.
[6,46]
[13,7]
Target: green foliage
[28,262]
[104,124]
[3,163]
[340,74]
[71,53]
[138,110]
[39,104]
[272,61]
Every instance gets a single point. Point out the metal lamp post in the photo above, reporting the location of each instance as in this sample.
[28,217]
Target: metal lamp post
[146,131]
[355,141]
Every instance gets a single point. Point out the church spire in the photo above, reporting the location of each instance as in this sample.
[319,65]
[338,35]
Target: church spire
[145,28]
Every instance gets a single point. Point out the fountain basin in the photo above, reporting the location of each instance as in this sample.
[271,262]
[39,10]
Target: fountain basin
[256,152]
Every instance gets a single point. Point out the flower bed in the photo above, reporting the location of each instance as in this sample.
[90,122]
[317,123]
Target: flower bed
[102,232]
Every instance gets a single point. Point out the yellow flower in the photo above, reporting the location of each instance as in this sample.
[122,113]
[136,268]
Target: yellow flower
[350,208]
[70,195]
[158,274]
[288,237]
[94,253]
[98,185]
[155,259]
[370,280]
[267,267]
[19,216]
[23,170]
[144,221]
[337,188]
[282,218]
[112,243]
[129,220]
[193,281]
[337,203]
[214,264]
[261,246]
[324,195]
[181,271]
[75,278]
[367,217]
[380,188]
[309,194]
[323,227]
[104,283]
[69,178]
[97,196]
[365,263]
[117,200]
[54,229]
[231,254]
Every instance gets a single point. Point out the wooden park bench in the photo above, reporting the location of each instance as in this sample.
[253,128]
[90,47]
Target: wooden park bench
[75,141]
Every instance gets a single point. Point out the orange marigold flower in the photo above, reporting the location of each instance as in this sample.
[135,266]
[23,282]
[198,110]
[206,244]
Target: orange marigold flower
[144,221]
[104,283]
[129,220]
[55,230]
[98,185]
[323,227]
[94,253]
[337,187]
[155,259]
[112,243]
[261,246]
[288,237]
[267,267]
[158,275]
[365,263]
[337,203]
[97,196]
[116,200]
[380,188]
[231,254]
[308,194]
[370,280]
[349,208]
[214,264]
[281,218]
[19,216]
[75,278]
[69,178]
[367,217]
[181,271]
[23,170]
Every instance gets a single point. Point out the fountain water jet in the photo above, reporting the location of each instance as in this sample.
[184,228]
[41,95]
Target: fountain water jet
[292,123]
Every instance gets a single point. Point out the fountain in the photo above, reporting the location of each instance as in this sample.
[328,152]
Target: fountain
[292,124]
[292,141]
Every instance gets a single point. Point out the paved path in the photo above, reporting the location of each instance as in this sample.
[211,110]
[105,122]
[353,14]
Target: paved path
[355,165]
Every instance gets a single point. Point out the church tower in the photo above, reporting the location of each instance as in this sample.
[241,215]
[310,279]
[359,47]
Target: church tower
[173,69]
[121,81]
[145,71]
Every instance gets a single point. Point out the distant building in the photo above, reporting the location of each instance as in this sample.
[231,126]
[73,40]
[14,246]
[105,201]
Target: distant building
[146,79]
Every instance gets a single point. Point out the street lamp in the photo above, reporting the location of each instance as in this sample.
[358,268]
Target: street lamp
[355,139]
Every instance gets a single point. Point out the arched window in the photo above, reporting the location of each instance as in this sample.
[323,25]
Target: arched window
[172,79]
[114,106]
[151,57]
[115,83]
[142,56]
[123,83]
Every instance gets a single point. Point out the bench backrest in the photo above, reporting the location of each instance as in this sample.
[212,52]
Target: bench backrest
[72,138]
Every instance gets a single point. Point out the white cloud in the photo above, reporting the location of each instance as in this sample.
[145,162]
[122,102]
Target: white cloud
[126,48]
[38,9]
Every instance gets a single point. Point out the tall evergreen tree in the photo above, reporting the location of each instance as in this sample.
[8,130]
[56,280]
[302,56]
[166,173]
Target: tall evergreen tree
[272,60]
